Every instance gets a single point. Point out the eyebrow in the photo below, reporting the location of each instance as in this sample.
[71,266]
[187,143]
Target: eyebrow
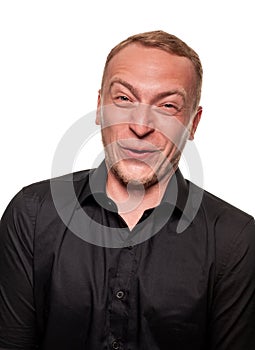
[159,96]
[130,87]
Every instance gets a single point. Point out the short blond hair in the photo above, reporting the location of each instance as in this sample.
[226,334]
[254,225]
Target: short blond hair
[167,42]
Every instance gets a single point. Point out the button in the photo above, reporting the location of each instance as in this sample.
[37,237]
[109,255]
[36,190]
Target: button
[115,345]
[129,245]
[120,294]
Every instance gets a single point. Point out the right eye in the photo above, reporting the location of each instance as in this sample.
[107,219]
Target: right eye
[122,101]
[123,98]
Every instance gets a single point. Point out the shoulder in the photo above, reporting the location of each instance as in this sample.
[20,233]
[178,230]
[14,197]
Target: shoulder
[65,187]
[43,189]
[40,195]
[223,214]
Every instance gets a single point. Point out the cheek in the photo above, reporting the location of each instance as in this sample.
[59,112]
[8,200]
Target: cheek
[111,116]
[111,134]
[174,133]
[169,150]
[106,136]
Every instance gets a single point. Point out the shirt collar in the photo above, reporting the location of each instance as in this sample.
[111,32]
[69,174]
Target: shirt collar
[180,193]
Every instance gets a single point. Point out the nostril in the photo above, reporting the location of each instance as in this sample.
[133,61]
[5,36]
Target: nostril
[140,130]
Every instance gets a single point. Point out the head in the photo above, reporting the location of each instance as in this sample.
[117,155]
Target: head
[148,105]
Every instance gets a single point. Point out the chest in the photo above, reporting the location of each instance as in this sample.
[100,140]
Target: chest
[159,280]
[155,292]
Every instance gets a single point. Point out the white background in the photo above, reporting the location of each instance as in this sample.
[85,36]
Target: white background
[52,57]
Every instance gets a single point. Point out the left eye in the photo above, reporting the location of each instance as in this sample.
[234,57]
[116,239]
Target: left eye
[168,108]
[169,105]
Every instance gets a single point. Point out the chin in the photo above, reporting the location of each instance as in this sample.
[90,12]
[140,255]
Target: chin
[136,176]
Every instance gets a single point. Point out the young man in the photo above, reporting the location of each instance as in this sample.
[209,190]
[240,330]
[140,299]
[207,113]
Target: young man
[173,267]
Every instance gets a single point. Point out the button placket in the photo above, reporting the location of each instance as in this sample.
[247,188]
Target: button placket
[120,301]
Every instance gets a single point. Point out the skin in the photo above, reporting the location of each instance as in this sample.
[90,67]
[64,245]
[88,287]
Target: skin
[145,109]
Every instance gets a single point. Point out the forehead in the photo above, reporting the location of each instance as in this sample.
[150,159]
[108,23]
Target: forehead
[149,65]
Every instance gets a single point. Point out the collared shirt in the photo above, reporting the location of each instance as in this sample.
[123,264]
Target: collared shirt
[73,276]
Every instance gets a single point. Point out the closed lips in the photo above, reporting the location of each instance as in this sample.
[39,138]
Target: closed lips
[139,150]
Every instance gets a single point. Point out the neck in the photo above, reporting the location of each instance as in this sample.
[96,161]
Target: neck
[133,200]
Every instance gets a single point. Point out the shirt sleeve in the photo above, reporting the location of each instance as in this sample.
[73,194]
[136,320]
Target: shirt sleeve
[17,311]
[233,310]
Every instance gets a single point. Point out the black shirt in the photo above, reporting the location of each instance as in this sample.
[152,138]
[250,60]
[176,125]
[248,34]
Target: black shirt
[73,276]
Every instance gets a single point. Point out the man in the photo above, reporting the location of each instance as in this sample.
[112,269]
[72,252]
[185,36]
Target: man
[135,257]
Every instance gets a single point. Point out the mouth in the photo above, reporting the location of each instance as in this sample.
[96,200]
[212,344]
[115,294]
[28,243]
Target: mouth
[137,153]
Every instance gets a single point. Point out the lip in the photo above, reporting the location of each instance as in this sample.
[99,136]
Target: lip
[137,153]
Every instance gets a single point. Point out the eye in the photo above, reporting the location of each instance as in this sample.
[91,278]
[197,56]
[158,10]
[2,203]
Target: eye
[122,101]
[123,98]
[169,105]
[168,108]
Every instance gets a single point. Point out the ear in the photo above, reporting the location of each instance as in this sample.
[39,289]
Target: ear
[98,114]
[195,122]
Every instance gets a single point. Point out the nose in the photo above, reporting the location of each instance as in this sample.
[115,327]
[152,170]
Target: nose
[140,130]
[141,124]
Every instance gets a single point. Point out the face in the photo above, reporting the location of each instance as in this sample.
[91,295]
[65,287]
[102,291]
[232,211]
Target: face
[146,113]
